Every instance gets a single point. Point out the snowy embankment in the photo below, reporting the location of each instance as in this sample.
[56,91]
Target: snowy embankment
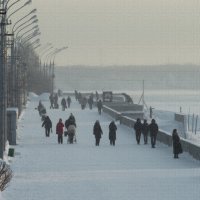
[46,170]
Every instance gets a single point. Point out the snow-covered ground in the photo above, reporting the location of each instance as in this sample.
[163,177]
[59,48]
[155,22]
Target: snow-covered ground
[46,170]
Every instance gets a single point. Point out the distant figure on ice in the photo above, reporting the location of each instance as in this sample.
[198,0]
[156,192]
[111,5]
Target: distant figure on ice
[145,130]
[47,124]
[99,106]
[69,100]
[97,132]
[59,131]
[138,130]
[63,104]
[177,148]
[112,133]
[153,129]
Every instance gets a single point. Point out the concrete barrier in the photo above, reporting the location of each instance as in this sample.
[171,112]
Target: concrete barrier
[113,113]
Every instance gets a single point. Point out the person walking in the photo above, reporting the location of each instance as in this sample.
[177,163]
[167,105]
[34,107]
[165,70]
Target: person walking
[63,104]
[90,102]
[99,106]
[145,130]
[51,98]
[112,133]
[177,148]
[70,121]
[97,132]
[47,124]
[59,131]
[69,100]
[138,130]
[153,129]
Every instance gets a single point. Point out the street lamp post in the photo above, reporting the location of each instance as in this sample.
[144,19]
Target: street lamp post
[3,88]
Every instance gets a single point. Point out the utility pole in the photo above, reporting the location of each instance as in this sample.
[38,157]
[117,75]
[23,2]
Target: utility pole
[142,97]
[3,77]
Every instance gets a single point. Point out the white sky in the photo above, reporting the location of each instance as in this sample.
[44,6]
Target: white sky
[106,32]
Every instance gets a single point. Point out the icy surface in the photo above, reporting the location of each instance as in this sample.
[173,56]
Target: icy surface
[46,170]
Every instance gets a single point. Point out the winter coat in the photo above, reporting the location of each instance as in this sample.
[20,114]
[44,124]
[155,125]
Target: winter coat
[112,131]
[97,131]
[138,127]
[70,121]
[69,100]
[59,128]
[145,128]
[153,129]
[63,102]
[177,148]
[47,123]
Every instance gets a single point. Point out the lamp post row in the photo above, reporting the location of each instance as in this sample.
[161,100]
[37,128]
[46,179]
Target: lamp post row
[17,60]
[21,69]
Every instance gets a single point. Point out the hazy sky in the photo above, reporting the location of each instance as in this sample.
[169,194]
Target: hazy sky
[121,32]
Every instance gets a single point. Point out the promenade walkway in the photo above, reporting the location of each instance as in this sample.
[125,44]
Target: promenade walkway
[45,170]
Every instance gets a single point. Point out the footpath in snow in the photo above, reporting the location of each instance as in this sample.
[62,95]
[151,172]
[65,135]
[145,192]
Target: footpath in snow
[45,170]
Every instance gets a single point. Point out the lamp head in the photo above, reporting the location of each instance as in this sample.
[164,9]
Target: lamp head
[28,2]
[33,11]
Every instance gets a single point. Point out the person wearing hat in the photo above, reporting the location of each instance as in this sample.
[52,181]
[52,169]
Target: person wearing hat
[59,131]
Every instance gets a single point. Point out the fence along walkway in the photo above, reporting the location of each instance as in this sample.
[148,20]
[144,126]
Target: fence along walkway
[46,170]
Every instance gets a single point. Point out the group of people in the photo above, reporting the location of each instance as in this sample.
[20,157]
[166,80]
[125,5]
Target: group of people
[145,128]
[97,132]
[70,125]
[152,128]
[65,103]
[140,128]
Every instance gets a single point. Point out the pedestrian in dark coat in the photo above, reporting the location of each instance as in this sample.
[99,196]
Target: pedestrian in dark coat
[70,121]
[153,129]
[99,106]
[47,124]
[138,130]
[145,130]
[69,100]
[90,102]
[97,132]
[51,98]
[112,133]
[64,104]
[59,131]
[56,101]
[177,148]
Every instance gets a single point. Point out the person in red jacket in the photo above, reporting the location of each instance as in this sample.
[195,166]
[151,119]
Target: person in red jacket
[59,131]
